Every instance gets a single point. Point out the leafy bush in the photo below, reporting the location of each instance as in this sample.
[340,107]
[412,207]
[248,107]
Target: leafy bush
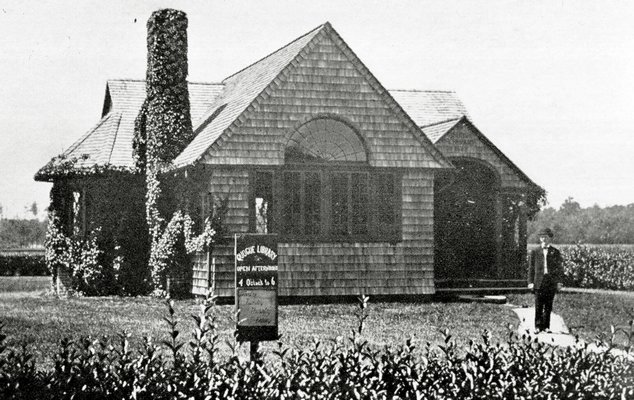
[175,244]
[598,267]
[343,369]
[82,258]
[25,265]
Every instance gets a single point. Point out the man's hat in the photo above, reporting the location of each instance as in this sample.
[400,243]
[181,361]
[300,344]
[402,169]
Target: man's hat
[545,232]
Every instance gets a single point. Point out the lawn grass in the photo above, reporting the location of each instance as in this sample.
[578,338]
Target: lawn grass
[37,284]
[42,321]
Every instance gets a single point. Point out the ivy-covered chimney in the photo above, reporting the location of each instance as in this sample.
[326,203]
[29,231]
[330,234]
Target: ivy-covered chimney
[162,130]
[163,127]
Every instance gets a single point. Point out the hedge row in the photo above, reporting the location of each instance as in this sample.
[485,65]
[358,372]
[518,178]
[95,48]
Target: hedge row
[109,369]
[24,265]
[598,267]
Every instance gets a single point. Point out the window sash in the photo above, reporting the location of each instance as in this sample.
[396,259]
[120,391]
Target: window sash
[352,205]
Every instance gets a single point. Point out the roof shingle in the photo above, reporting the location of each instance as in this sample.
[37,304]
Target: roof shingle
[435,131]
[427,107]
[240,90]
[110,142]
[216,106]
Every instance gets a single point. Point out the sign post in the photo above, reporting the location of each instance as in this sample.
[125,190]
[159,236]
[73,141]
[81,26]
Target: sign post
[256,289]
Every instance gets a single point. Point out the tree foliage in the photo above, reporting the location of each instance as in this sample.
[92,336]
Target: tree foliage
[575,224]
[21,232]
[535,201]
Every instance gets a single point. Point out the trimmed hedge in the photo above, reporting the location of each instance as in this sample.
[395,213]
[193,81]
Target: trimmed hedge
[24,265]
[343,369]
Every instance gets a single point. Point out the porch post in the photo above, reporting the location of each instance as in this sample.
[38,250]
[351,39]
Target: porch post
[499,215]
[522,242]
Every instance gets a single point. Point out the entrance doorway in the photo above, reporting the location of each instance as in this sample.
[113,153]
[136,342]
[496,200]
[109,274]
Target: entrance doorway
[464,222]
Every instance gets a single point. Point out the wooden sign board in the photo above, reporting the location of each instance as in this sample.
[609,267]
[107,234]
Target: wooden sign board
[256,288]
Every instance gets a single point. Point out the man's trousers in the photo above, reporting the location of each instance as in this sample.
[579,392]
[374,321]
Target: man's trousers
[544,297]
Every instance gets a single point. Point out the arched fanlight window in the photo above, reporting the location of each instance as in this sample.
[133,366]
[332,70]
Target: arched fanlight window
[326,190]
[324,140]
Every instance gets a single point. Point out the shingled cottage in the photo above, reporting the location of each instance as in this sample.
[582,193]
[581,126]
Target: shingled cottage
[366,190]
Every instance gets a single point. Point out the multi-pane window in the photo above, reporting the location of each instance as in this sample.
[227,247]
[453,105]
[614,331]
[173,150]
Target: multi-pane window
[74,211]
[326,190]
[312,203]
[385,194]
[339,205]
[328,204]
[263,202]
[301,203]
[205,207]
[292,203]
[360,203]
[350,203]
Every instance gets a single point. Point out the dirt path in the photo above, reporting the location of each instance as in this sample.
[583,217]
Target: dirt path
[559,335]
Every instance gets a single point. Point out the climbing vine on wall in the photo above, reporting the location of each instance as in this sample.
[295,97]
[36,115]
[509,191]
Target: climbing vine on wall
[163,129]
[64,166]
[107,211]
[175,243]
[535,200]
[81,258]
[108,221]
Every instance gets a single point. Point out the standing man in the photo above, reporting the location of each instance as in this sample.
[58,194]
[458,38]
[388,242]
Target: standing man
[545,273]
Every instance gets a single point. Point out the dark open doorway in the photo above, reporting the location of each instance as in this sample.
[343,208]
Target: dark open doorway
[464,222]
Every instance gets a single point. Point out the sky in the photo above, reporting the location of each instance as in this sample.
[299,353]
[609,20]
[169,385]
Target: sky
[550,83]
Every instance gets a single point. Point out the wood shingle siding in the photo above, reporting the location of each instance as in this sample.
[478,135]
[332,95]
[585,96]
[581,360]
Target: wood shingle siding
[322,269]
[462,141]
[202,275]
[325,82]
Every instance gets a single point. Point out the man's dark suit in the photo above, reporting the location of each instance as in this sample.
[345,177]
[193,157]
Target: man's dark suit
[545,285]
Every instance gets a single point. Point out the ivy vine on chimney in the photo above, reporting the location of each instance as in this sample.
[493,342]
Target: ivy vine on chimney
[163,129]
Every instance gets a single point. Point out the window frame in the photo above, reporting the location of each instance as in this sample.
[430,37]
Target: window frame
[375,232]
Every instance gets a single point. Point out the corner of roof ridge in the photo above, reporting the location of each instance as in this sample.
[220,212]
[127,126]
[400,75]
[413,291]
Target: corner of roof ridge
[107,100]
[422,91]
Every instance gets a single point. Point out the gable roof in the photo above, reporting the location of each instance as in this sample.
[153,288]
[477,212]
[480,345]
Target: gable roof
[217,107]
[449,125]
[240,90]
[436,131]
[428,107]
[391,102]
[245,88]
[109,143]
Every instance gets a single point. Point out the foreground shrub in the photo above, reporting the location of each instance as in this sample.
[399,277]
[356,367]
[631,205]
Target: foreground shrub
[342,369]
[598,267]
